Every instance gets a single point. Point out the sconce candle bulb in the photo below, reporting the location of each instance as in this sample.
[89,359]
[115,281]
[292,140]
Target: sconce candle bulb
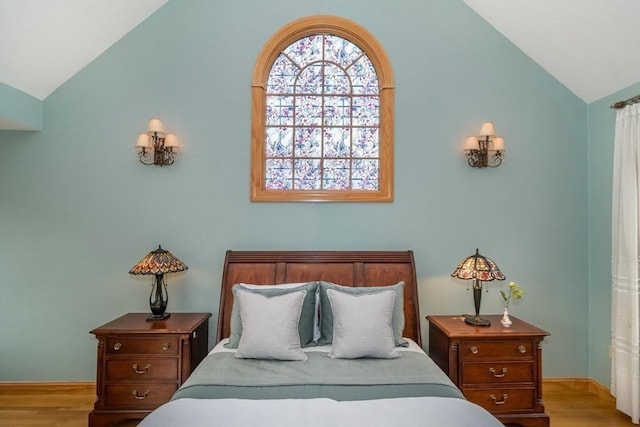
[485,150]
[157,147]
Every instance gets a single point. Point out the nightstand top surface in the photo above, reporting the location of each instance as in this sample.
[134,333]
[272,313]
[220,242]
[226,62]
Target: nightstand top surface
[138,323]
[455,326]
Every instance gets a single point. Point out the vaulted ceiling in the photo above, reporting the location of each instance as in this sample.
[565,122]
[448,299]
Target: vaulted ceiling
[43,43]
[591,46]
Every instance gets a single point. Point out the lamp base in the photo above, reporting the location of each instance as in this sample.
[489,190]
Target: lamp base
[476,320]
[158,316]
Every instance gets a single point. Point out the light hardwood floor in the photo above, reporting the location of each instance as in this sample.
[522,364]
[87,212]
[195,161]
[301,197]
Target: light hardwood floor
[569,403]
[581,403]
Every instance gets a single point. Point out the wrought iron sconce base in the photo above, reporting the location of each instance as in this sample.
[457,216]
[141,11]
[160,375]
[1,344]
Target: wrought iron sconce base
[160,154]
[157,147]
[485,150]
[483,157]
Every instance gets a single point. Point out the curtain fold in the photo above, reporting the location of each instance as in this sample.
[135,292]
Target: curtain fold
[625,266]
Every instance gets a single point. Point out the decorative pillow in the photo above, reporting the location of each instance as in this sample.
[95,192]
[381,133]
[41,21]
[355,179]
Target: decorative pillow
[270,326]
[308,316]
[326,315]
[362,325]
[316,310]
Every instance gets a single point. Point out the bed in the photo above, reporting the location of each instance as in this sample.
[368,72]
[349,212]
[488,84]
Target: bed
[318,338]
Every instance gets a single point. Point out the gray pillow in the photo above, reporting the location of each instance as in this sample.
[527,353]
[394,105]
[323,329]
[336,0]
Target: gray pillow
[307,316]
[270,326]
[362,325]
[326,315]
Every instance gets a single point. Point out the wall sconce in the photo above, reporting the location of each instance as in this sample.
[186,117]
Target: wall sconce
[157,147]
[485,150]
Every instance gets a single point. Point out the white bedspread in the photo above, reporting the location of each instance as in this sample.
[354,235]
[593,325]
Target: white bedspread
[405,412]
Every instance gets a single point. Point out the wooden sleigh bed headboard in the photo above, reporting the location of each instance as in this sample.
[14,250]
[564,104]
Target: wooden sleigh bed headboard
[349,268]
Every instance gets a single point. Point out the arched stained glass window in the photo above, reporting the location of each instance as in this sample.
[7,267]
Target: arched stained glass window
[322,124]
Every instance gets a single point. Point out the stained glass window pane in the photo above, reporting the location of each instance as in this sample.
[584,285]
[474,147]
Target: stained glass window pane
[340,51]
[336,80]
[310,80]
[307,174]
[336,175]
[282,76]
[279,174]
[279,110]
[305,50]
[337,142]
[279,142]
[365,175]
[308,110]
[365,142]
[363,76]
[337,110]
[308,142]
[366,110]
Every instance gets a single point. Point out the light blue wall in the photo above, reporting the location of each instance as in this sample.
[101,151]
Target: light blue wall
[602,121]
[77,210]
[20,109]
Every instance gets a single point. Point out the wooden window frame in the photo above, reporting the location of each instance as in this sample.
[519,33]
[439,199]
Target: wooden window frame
[322,24]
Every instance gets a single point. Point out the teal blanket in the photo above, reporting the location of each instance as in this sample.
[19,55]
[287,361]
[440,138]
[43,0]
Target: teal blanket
[221,375]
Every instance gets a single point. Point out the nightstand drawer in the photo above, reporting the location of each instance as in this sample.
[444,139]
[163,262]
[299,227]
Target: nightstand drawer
[163,369]
[500,399]
[496,372]
[496,350]
[156,345]
[139,395]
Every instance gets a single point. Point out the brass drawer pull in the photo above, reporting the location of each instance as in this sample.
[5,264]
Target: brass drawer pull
[522,349]
[474,349]
[141,371]
[496,375]
[165,346]
[117,346]
[496,402]
[137,396]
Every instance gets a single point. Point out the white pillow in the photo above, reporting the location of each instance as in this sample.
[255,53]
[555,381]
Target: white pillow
[316,319]
[309,325]
[270,326]
[362,325]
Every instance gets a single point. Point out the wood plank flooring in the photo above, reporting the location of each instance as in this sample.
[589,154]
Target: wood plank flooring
[581,403]
[46,404]
[569,403]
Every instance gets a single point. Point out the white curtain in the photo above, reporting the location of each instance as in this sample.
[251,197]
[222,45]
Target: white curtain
[625,267]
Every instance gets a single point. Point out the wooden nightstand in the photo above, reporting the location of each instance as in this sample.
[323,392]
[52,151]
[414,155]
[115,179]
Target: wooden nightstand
[142,363]
[497,368]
